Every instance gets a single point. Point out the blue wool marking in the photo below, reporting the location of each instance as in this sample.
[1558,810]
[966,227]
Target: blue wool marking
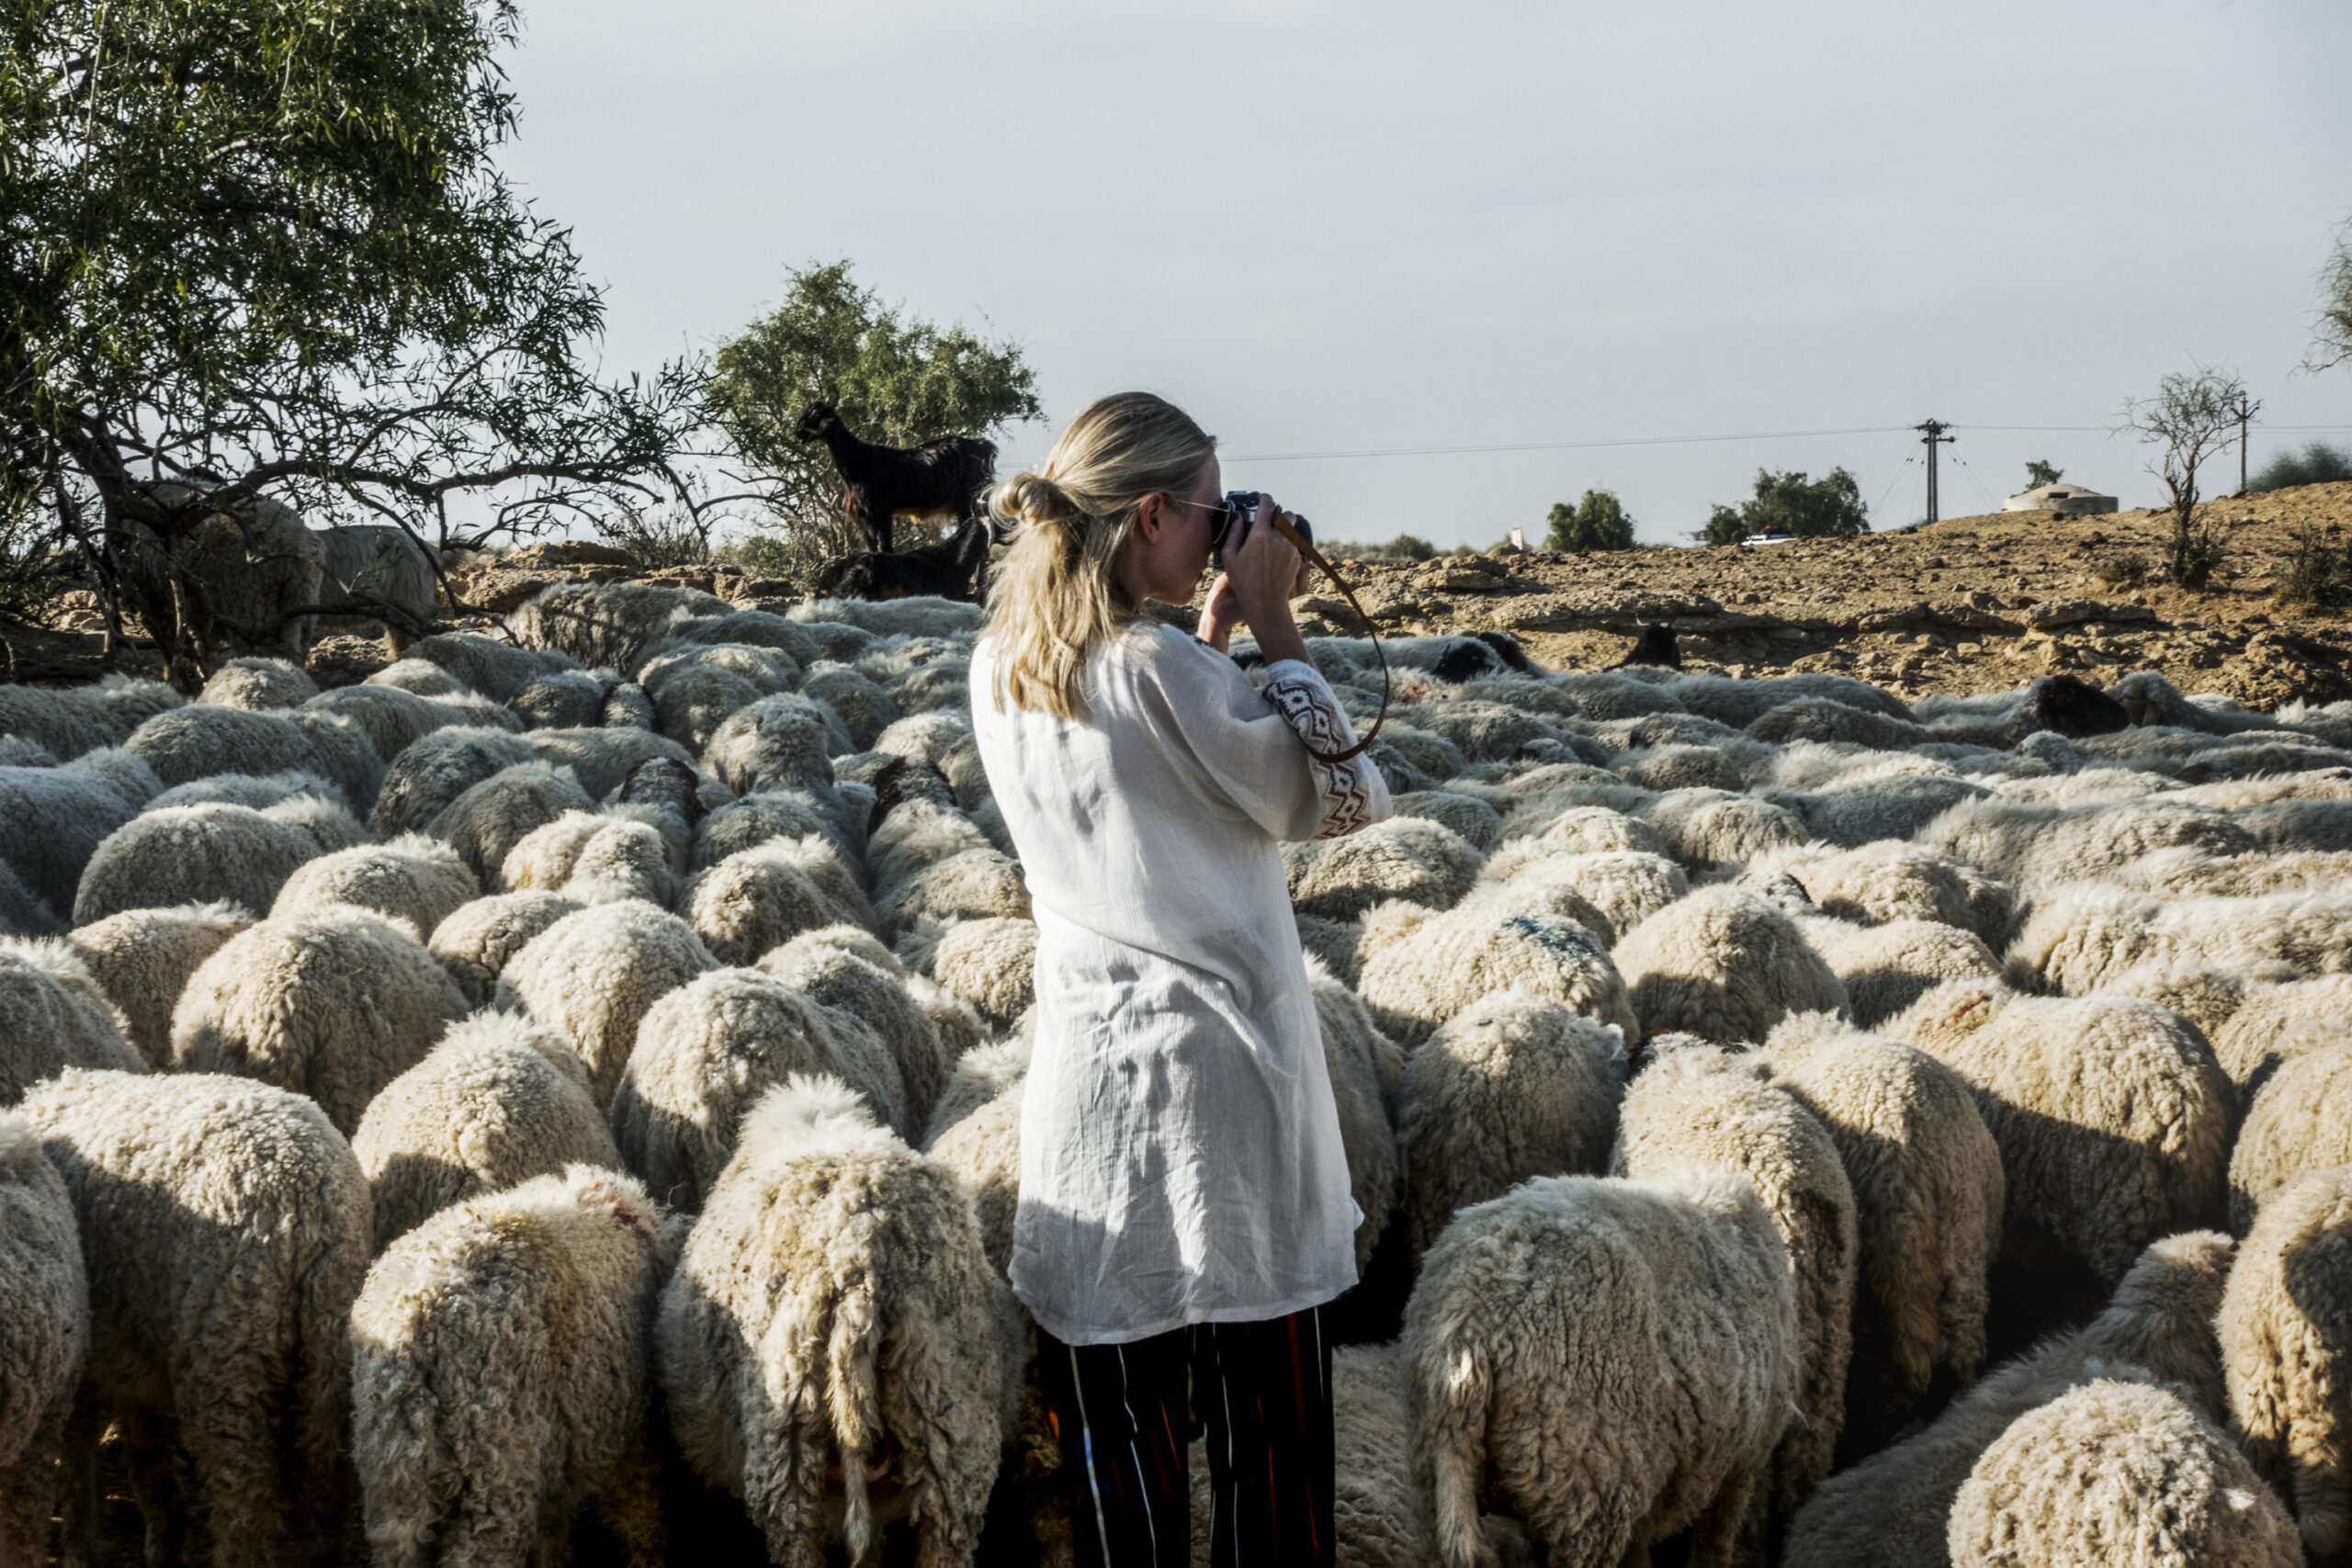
[1562,940]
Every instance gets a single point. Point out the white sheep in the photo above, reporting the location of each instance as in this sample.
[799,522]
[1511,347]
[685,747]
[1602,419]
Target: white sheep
[976,1132]
[1611,1362]
[1892,881]
[1891,1509]
[780,740]
[195,854]
[200,739]
[2276,1023]
[1705,1104]
[2033,846]
[413,878]
[485,823]
[2112,1116]
[2077,938]
[2299,1123]
[499,1099]
[1413,858]
[706,1053]
[763,897]
[432,772]
[1723,964]
[501,1375]
[259,685]
[594,974]
[67,721]
[143,958]
[845,970]
[393,719]
[48,1291]
[52,819]
[1705,828]
[990,961]
[2286,1329]
[1887,967]
[833,1346]
[224,1230]
[2118,1471]
[478,938]
[497,670]
[1418,969]
[334,1003]
[1621,887]
[54,1014]
[1928,1195]
[1514,1085]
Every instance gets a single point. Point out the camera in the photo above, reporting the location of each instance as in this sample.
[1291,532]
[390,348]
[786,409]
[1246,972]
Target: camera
[1240,505]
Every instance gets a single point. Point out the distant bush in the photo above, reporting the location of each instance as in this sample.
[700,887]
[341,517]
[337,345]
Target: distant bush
[1398,551]
[2317,573]
[1827,507]
[2130,567]
[2039,473]
[759,555]
[1598,522]
[2316,464]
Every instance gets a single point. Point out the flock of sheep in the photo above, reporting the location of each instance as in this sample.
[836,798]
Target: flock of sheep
[509,1096]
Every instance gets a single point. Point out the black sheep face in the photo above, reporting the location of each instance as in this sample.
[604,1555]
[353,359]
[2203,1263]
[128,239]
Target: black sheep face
[818,423]
[1466,659]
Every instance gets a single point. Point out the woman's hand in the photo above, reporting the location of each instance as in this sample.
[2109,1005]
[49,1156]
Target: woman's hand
[1224,609]
[1260,574]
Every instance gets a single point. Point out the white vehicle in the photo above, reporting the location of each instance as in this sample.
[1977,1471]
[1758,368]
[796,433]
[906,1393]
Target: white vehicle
[1770,533]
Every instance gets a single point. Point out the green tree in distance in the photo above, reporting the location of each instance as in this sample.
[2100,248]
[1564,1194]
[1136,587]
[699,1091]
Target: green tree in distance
[266,248]
[1598,522]
[895,380]
[2039,473]
[1830,506]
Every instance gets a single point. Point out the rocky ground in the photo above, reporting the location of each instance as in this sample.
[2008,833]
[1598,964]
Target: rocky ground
[1969,603]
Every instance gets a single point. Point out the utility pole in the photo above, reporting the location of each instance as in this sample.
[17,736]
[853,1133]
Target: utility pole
[1933,434]
[2247,409]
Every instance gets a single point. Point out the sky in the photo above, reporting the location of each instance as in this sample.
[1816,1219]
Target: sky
[1380,227]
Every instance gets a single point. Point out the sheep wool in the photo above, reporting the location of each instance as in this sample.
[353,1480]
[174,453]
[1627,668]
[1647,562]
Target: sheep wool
[833,1316]
[333,1004]
[485,823]
[976,1132]
[1512,1086]
[2286,1331]
[259,684]
[54,1015]
[1927,1203]
[142,959]
[1723,964]
[478,938]
[1418,969]
[197,854]
[706,1053]
[1891,1510]
[429,775]
[1366,1072]
[1702,1103]
[594,974]
[502,1373]
[2276,1023]
[1887,967]
[991,962]
[1413,858]
[2112,1117]
[413,878]
[2300,1123]
[1624,887]
[48,1293]
[2118,1471]
[1890,880]
[52,819]
[762,897]
[1609,1362]
[2077,941]
[845,970]
[224,1229]
[500,1101]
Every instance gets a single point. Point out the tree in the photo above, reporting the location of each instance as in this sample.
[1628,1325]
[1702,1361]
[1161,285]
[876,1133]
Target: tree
[1827,507]
[2332,342]
[2192,418]
[895,380]
[1598,522]
[266,249]
[2316,464]
[2039,473]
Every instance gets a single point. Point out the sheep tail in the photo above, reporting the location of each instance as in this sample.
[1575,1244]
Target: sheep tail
[1450,1449]
[853,1401]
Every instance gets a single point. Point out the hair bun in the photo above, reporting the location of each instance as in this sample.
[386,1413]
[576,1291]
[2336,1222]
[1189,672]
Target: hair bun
[1029,496]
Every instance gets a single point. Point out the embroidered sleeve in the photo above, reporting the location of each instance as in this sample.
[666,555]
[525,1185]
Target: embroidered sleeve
[1353,793]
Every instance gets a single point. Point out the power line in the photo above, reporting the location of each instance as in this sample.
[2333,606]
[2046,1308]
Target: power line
[1696,440]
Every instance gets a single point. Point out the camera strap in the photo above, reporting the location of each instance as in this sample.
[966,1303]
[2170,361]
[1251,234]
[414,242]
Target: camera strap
[1315,558]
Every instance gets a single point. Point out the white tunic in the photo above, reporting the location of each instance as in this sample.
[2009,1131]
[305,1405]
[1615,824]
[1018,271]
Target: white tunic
[1179,1150]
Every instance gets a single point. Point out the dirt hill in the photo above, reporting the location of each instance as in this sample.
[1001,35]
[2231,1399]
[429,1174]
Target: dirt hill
[1969,603]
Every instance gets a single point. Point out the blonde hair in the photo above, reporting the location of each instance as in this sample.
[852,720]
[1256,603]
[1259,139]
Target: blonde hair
[1058,597]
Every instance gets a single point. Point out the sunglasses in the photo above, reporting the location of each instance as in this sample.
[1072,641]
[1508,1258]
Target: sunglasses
[1237,503]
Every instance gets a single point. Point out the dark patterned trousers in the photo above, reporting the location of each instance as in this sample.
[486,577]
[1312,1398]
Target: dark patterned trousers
[1124,1415]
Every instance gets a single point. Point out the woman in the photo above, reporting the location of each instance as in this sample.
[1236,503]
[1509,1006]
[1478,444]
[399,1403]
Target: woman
[1184,1206]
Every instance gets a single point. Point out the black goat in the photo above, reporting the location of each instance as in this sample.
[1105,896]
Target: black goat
[1655,647]
[938,479]
[946,568]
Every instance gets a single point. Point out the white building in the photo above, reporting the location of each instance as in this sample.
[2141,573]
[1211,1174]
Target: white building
[2059,498]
